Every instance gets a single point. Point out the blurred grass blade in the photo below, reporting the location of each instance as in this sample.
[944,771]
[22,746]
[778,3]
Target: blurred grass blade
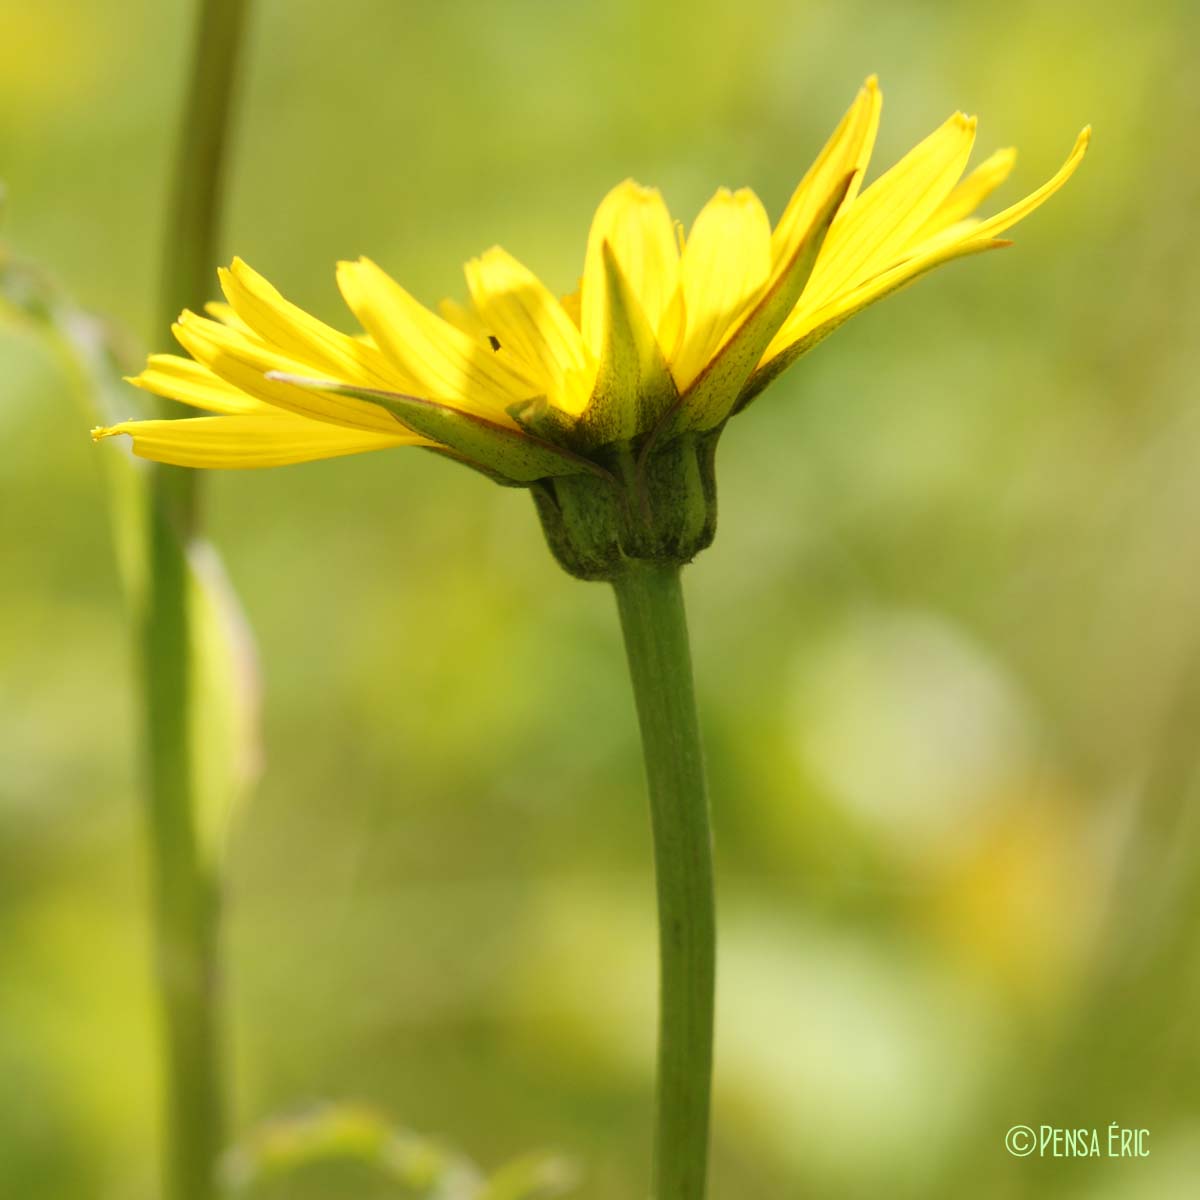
[219,714]
[225,702]
[178,676]
[224,689]
[358,1135]
[352,1134]
[540,1176]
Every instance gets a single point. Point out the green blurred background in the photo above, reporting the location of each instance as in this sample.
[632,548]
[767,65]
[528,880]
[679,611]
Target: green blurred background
[947,642]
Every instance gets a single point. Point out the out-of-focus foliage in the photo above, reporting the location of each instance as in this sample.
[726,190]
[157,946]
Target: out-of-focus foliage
[281,1151]
[224,675]
[947,640]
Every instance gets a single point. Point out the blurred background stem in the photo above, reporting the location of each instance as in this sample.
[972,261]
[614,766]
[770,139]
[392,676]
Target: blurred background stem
[185,890]
[650,601]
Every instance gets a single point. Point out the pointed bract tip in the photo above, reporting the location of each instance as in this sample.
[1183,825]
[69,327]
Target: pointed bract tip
[608,256]
[837,193]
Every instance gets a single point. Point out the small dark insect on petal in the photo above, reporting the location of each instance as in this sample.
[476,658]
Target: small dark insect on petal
[494,340]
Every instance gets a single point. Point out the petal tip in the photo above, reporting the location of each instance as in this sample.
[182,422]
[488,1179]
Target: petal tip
[640,192]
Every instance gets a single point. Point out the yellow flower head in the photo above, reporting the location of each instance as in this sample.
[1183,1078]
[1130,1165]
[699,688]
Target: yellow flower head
[666,338]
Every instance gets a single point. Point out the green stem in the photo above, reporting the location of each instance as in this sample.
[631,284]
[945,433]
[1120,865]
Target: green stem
[184,887]
[197,189]
[184,890]
[650,601]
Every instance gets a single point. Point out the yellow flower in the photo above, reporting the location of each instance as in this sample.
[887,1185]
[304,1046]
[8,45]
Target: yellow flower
[666,338]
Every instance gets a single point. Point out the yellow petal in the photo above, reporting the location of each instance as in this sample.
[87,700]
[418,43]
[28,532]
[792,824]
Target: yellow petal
[715,391]
[869,233]
[963,237]
[299,336]
[892,280]
[527,319]
[992,226]
[673,324]
[444,363]
[244,362]
[725,263]
[499,450]
[570,304]
[462,317]
[272,440]
[634,220]
[817,325]
[222,311]
[965,197]
[848,149]
[810,324]
[178,378]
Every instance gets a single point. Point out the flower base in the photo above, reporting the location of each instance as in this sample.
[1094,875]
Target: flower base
[661,507]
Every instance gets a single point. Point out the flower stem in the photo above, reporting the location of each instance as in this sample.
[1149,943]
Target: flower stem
[184,886]
[197,188]
[650,601]
[184,891]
